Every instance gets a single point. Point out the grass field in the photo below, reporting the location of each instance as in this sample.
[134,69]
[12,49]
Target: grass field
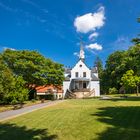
[26,103]
[83,119]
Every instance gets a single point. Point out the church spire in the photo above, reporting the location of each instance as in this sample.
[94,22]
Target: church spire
[82,53]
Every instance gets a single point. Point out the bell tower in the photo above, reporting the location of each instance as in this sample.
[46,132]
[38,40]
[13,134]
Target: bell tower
[82,53]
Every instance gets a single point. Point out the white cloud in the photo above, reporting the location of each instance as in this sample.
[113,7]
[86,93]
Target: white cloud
[76,54]
[90,21]
[94,46]
[93,36]
[121,43]
[6,7]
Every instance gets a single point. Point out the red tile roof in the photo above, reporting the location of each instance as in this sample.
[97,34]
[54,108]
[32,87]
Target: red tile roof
[45,88]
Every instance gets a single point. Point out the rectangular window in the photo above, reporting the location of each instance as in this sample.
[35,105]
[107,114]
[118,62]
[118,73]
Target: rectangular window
[84,85]
[84,74]
[76,74]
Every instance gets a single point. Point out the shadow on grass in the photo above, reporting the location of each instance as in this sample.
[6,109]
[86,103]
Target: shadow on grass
[124,99]
[123,123]
[14,132]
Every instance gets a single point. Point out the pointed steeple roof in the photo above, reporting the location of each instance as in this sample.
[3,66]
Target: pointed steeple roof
[82,53]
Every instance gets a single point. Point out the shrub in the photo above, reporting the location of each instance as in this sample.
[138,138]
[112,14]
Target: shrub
[33,100]
[113,90]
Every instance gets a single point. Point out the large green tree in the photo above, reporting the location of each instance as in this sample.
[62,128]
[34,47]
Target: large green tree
[99,64]
[134,58]
[137,39]
[12,87]
[130,81]
[33,67]
[118,63]
[114,69]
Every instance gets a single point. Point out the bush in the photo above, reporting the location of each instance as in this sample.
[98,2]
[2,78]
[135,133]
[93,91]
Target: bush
[33,100]
[113,90]
[14,102]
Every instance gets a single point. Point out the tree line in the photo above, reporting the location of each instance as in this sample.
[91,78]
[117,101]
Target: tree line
[122,70]
[21,71]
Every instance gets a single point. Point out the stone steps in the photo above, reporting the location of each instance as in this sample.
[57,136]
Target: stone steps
[78,95]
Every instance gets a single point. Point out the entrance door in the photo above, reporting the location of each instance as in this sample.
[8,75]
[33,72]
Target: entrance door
[84,85]
[80,85]
[76,85]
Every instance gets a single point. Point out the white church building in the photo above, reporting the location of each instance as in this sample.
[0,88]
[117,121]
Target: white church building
[81,81]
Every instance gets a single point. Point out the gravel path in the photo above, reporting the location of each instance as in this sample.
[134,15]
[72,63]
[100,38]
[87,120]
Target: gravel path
[14,113]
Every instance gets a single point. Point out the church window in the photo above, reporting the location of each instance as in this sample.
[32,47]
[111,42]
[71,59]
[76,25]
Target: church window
[80,65]
[76,74]
[84,74]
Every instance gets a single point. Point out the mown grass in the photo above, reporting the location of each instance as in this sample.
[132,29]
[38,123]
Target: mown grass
[83,119]
[26,103]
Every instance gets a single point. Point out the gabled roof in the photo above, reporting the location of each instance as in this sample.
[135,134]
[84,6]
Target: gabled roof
[94,70]
[67,79]
[46,88]
[67,70]
[81,62]
[94,78]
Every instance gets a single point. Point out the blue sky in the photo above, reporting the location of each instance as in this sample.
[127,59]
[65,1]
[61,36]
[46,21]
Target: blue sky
[53,27]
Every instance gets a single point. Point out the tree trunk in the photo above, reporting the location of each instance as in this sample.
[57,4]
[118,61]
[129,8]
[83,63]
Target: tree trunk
[137,90]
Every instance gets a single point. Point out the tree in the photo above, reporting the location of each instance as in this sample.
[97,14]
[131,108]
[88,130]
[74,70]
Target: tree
[12,88]
[98,63]
[134,58]
[118,63]
[137,80]
[20,92]
[33,67]
[20,70]
[6,81]
[114,69]
[129,81]
[136,40]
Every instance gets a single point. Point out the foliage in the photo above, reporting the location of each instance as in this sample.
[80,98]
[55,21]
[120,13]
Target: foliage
[19,94]
[98,63]
[136,40]
[113,90]
[137,81]
[33,67]
[118,63]
[114,69]
[129,80]
[20,69]
[6,81]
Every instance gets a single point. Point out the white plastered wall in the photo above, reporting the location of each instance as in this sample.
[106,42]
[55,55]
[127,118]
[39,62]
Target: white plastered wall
[80,70]
[95,85]
[66,85]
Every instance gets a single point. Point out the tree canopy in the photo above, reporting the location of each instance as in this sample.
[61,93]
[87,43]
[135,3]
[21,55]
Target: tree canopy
[118,63]
[20,69]
[130,81]
[33,67]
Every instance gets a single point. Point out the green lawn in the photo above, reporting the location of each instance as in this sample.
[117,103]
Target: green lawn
[26,103]
[82,119]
